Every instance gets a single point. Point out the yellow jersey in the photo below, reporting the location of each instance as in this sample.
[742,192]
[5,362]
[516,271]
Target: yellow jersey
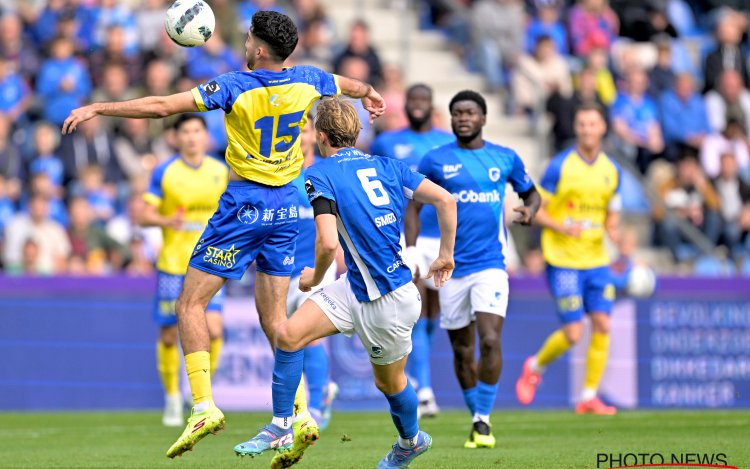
[579,192]
[177,187]
[265,113]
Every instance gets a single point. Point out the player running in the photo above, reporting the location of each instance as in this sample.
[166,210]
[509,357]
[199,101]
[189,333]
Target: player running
[581,203]
[363,198]
[266,109]
[322,392]
[476,173]
[409,145]
[182,216]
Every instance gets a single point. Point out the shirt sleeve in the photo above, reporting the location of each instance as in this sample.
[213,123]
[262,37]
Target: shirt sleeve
[215,94]
[519,179]
[410,180]
[326,84]
[155,192]
[551,176]
[615,202]
[425,168]
[317,186]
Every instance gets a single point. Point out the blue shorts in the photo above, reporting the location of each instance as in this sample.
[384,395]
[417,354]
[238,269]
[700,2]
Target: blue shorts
[578,291]
[253,223]
[168,288]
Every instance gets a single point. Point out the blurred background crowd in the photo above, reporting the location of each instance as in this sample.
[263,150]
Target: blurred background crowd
[673,75]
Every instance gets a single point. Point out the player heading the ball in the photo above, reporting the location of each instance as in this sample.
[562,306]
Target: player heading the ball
[266,109]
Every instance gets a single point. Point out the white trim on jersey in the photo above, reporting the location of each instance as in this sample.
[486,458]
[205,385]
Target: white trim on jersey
[408,193]
[372,288]
[502,236]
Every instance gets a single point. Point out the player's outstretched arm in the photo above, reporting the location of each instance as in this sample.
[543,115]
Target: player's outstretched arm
[148,215]
[142,108]
[531,203]
[445,205]
[326,246]
[371,99]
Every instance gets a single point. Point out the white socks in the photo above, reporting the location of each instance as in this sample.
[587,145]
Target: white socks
[534,366]
[482,418]
[282,422]
[587,394]
[408,443]
[201,407]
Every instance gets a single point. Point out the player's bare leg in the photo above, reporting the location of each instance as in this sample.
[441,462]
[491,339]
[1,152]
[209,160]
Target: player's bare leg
[197,290]
[596,362]
[270,301]
[306,325]
[391,381]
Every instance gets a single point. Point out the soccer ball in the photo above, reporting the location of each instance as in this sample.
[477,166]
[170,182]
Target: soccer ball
[190,23]
[641,281]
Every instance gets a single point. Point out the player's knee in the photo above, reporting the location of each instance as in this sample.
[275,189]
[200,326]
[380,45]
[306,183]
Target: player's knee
[168,336]
[600,327]
[463,353]
[388,387]
[573,335]
[489,345]
[286,339]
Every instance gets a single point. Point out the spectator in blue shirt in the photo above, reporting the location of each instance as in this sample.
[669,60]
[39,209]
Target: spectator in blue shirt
[212,59]
[547,23]
[16,48]
[15,95]
[683,117]
[63,83]
[635,121]
[7,207]
[114,13]
[45,160]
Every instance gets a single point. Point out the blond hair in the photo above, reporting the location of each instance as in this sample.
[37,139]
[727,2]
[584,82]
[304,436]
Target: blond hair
[339,121]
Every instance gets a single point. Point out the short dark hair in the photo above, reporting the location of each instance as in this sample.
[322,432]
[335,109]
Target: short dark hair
[182,118]
[592,106]
[469,95]
[418,86]
[277,30]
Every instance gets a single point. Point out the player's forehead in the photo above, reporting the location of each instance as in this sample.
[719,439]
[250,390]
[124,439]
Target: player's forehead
[465,105]
[419,93]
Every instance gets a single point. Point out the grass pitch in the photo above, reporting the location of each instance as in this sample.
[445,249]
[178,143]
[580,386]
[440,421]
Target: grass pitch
[526,439]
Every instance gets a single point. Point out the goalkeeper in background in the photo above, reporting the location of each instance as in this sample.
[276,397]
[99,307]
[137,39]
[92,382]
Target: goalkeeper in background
[581,203]
[182,215]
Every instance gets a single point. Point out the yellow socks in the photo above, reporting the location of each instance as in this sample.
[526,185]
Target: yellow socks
[555,345]
[168,365]
[300,398]
[198,367]
[596,360]
[216,345]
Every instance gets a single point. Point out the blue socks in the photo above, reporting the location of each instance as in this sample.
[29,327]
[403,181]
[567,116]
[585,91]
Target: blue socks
[419,358]
[316,372]
[485,397]
[404,411]
[470,397]
[287,371]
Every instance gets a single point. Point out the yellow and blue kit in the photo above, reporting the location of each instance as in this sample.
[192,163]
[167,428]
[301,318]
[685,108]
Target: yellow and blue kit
[193,192]
[580,192]
[265,112]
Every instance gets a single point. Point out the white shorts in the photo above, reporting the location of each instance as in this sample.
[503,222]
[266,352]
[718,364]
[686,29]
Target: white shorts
[296,297]
[461,298]
[384,325]
[427,251]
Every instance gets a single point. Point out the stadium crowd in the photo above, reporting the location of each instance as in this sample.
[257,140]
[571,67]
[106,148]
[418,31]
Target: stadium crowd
[673,75]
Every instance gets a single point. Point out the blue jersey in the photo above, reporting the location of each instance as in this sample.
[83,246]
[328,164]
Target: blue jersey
[410,146]
[477,180]
[370,194]
[304,254]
